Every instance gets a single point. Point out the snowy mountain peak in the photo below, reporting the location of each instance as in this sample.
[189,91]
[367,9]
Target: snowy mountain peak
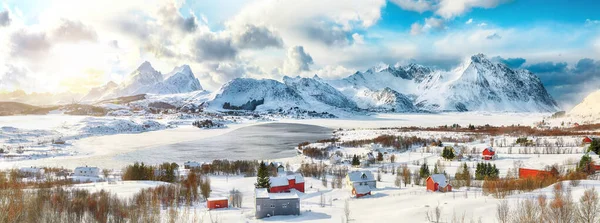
[589,108]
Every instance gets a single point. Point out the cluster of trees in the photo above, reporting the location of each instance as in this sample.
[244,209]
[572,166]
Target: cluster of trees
[315,153]
[316,170]
[206,124]
[595,145]
[562,208]
[59,204]
[250,105]
[138,171]
[355,160]
[462,176]
[448,153]
[397,142]
[486,170]
[218,167]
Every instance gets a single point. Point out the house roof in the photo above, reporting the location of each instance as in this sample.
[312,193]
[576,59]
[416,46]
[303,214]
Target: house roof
[489,149]
[263,193]
[362,189]
[278,181]
[361,176]
[440,179]
[216,198]
[297,177]
[87,168]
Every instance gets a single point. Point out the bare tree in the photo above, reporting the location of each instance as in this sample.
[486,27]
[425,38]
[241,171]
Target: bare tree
[502,211]
[589,206]
[434,215]
[236,198]
[527,212]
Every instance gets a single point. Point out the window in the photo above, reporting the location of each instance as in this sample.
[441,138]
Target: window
[284,206]
[258,208]
[272,206]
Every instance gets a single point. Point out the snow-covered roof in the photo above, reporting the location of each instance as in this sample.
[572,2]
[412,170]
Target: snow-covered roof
[263,193]
[440,179]
[490,149]
[297,177]
[87,168]
[31,169]
[278,181]
[360,176]
[216,198]
[362,189]
[192,164]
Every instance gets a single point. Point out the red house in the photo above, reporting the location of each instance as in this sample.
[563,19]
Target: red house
[438,182]
[217,202]
[586,140]
[361,190]
[488,153]
[286,183]
[532,173]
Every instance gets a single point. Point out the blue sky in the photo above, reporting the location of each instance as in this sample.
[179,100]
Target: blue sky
[48,43]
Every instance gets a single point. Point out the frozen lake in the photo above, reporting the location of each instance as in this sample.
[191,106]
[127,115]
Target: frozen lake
[264,141]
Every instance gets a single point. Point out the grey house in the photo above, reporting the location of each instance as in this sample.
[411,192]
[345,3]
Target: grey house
[272,204]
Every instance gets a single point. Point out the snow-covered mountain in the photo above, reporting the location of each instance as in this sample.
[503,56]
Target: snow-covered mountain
[314,90]
[589,108]
[180,80]
[477,84]
[251,94]
[146,80]
[481,85]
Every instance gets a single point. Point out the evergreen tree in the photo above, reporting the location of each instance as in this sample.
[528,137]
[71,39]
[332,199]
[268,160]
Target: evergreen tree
[424,171]
[262,178]
[585,164]
[595,146]
[355,161]
[379,156]
[436,170]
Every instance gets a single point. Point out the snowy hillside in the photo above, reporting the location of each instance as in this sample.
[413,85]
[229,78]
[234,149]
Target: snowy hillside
[251,94]
[313,89]
[589,108]
[180,80]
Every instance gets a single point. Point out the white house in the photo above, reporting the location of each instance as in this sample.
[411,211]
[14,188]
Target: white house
[32,171]
[191,165]
[85,171]
[361,178]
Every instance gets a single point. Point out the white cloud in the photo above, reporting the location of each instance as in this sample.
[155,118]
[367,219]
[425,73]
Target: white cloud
[446,8]
[469,21]
[297,61]
[358,39]
[590,22]
[452,8]
[483,24]
[414,5]
[416,29]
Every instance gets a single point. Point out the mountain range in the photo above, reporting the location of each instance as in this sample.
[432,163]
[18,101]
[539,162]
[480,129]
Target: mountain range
[477,84]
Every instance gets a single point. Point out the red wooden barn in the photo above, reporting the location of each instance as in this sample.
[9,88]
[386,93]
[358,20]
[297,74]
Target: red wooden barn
[217,202]
[361,190]
[532,173]
[286,183]
[587,140]
[488,153]
[438,182]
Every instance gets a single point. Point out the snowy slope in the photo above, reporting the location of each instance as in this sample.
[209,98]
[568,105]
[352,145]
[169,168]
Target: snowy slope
[385,100]
[144,76]
[589,108]
[240,91]
[99,92]
[313,89]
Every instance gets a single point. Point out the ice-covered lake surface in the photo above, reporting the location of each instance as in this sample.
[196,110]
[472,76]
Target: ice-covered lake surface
[260,142]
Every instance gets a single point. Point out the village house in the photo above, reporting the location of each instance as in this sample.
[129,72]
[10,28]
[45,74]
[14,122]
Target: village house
[533,173]
[361,182]
[217,202]
[274,204]
[438,182]
[191,165]
[31,172]
[87,171]
[360,178]
[283,184]
[586,140]
[488,153]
